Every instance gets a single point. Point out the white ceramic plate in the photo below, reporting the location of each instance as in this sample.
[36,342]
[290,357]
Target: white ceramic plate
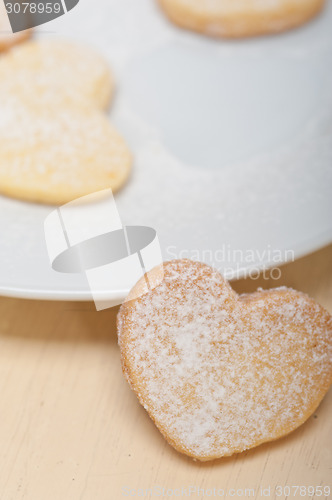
[232,143]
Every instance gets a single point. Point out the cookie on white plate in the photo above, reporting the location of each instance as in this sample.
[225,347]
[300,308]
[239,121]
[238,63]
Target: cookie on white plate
[240,18]
[53,154]
[59,71]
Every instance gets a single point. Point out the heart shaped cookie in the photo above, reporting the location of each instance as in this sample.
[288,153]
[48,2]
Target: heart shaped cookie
[43,71]
[51,154]
[221,373]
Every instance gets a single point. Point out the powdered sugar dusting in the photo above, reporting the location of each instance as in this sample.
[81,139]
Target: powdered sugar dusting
[53,154]
[56,71]
[220,374]
[239,18]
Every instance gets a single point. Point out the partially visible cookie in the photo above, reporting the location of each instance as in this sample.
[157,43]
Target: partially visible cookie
[54,155]
[221,373]
[58,71]
[7,38]
[240,18]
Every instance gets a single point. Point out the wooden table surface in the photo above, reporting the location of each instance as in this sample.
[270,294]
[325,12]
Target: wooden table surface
[71,429]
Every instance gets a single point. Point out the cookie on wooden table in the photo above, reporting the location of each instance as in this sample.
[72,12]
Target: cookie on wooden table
[221,373]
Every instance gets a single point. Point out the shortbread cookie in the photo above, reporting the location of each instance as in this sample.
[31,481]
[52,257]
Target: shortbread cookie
[240,18]
[7,38]
[62,72]
[54,155]
[221,373]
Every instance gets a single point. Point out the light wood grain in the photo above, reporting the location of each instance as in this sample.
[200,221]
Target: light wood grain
[71,429]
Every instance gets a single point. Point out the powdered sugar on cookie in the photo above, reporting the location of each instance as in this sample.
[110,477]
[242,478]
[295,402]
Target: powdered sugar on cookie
[53,155]
[220,373]
[240,18]
[56,71]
